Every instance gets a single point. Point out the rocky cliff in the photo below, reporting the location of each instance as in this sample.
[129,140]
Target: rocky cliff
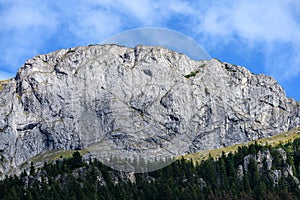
[145,102]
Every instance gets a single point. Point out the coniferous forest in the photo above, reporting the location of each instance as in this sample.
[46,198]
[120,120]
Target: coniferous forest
[223,178]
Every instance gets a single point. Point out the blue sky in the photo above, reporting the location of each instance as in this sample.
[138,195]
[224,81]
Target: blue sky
[263,36]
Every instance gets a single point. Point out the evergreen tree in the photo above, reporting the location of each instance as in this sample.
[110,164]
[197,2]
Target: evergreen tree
[180,180]
[32,169]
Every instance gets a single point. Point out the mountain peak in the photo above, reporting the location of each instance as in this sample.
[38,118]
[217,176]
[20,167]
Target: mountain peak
[146,102]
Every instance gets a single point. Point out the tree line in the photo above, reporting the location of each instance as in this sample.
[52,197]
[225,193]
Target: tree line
[72,178]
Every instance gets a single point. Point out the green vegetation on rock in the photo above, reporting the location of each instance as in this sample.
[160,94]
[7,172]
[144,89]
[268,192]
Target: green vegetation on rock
[194,73]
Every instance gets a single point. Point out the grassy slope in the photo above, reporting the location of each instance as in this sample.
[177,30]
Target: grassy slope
[2,83]
[273,141]
[55,154]
[198,156]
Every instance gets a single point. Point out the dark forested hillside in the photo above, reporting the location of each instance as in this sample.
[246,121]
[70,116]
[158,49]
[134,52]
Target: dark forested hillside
[254,172]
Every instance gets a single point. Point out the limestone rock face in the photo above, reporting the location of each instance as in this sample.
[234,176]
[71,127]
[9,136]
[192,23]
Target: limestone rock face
[139,101]
[264,162]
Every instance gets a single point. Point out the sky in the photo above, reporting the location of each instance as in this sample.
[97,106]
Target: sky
[263,36]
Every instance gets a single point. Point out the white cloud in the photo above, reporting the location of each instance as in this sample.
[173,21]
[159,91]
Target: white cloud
[270,25]
[23,16]
[251,20]
[282,60]
[25,25]
[94,26]
[32,27]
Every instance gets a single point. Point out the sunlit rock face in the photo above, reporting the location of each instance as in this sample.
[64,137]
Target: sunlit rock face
[145,102]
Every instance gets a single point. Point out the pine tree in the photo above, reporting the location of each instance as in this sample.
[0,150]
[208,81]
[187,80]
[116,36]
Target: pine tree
[32,169]
[253,173]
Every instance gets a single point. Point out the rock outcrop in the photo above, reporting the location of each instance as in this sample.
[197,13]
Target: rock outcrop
[129,102]
[264,162]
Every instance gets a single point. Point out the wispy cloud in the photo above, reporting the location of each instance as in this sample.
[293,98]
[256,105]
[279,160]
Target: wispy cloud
[271,27]
[25,26]
[32,27]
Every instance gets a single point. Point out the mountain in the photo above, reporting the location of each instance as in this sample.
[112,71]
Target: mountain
[124,103]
